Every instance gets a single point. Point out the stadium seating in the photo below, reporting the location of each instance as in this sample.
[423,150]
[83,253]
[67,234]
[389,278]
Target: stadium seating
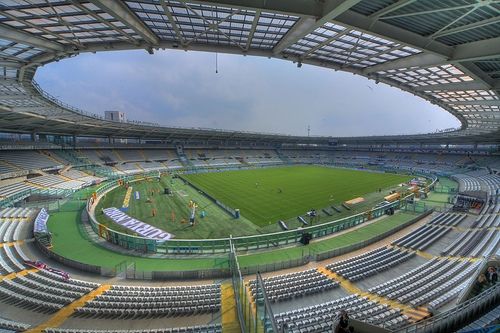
[158,154]
[29,160]
[129,168]
[448,219]
[426,282]
[129,155]
[79,176]
[15,213]
[422,237]
[69,185]
[9,231]
[46,181]
[467,183]
[74,174]
[490,183]
[137,302]
[43,291]
[319,318]
[11,325]
[370,263]
[15,188]
[6,168]
[151,166]
[287,286]
[213,328]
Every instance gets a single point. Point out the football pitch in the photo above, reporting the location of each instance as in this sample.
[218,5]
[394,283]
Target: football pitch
[267,195]
[263,195]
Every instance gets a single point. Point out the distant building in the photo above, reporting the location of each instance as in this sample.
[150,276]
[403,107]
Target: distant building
[114,116]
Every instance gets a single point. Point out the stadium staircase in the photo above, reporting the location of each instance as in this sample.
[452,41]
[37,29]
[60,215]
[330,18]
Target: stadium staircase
[11,165]
[229,315]
[139,167]
[72,157]
[242,161]
[35,184]
[55,158]
[183,158]
[414,314]
[79,160]
[62,315]
[117,154]
[64,177]
[65,169]
[476,163]
[282,157]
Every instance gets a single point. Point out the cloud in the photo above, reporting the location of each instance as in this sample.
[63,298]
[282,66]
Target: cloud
[177,88]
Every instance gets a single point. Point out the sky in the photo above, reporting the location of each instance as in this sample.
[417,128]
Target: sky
[178,88]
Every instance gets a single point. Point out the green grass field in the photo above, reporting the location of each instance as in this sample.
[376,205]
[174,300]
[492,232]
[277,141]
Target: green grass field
[265,196]
[302,188]
[217,223]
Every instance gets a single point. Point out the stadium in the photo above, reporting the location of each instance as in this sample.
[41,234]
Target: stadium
[112,225]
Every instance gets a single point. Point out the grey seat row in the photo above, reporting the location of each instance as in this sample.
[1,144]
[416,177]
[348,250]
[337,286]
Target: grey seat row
[148,304]
[464,243]
[58,282]
[10,261]
[433,290]
[416,274]
[447,219]
[359,258]
[448,296]
[422,238]
[131,313]
[319,318]
[28,302]
[412,288]
[81,283]
[29,282]
[10,231]
[141,290]
[374,265]
[213,328]
[297,284]
[13,325]
[21,289]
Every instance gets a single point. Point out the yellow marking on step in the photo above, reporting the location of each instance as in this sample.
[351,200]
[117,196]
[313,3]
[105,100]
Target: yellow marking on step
[16,274]
[415,314]
[229,314]
[20,242]
[60,316]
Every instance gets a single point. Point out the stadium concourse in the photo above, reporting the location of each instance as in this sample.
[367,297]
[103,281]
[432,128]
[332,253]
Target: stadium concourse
[425,260]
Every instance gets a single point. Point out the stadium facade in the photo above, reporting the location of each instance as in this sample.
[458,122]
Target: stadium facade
[446,53]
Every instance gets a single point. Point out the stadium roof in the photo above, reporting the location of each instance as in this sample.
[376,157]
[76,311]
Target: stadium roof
[447,52]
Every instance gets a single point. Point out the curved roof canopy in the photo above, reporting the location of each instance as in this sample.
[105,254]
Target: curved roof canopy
[447,52]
